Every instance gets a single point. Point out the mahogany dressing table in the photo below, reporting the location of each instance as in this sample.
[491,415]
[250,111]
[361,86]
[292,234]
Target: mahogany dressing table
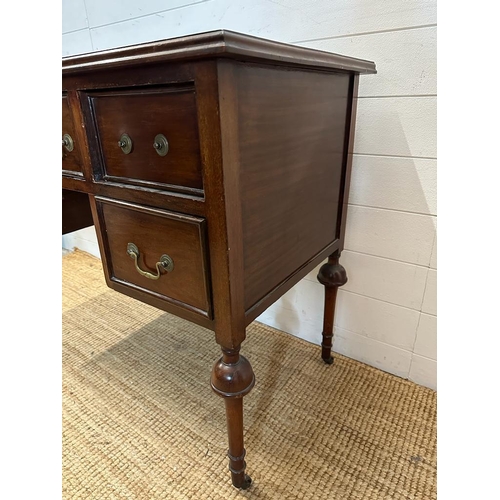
[215,168]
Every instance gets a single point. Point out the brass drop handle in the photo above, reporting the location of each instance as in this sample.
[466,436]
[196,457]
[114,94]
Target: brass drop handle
[161,144]
[67,142]
[125,144]
[166,263]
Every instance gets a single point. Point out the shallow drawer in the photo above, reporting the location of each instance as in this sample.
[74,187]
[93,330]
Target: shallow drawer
[149,137]
[155,251]
[71,160]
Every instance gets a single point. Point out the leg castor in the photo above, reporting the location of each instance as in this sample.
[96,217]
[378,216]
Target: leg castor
[246,483]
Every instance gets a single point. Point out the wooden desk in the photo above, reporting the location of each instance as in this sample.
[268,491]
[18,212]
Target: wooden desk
[217,169]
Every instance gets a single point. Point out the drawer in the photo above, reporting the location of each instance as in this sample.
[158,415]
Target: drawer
[141,119]
[127,229]
[71,160]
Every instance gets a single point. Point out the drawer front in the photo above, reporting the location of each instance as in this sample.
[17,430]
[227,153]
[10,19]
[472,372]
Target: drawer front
[156,233]
[71,160]
[137,119]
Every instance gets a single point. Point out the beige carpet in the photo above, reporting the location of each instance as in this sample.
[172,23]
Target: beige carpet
[141,422]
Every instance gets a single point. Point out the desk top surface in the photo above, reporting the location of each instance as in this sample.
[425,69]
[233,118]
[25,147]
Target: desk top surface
[219,43]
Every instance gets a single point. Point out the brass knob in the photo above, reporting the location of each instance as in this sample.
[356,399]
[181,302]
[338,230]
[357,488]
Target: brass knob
[67,142]
[161,144]
[125,143]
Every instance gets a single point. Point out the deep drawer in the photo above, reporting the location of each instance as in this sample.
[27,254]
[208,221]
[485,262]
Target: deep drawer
[149,137]
[169,247]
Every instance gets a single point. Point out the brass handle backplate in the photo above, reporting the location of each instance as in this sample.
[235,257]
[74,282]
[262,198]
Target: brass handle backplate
[67,142]
[125,144]
[165,264]
[161,145]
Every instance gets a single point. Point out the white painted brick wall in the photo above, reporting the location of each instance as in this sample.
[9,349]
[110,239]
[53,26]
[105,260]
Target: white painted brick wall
[386,314]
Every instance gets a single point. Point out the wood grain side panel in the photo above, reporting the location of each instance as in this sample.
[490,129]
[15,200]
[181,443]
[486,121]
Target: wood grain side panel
[259,307]
[292,127]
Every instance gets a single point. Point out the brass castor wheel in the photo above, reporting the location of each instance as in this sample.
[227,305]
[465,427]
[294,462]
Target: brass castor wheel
[246,483]
[328,361]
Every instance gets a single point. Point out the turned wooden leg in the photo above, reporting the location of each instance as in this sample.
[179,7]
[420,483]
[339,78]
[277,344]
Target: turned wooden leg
[233,378]
[331,275]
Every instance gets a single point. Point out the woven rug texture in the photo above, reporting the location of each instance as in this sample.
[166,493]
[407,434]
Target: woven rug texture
[140,420]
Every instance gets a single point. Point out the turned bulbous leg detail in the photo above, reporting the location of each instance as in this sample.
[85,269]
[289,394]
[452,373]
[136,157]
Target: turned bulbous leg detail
[331,275]
[232,378]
